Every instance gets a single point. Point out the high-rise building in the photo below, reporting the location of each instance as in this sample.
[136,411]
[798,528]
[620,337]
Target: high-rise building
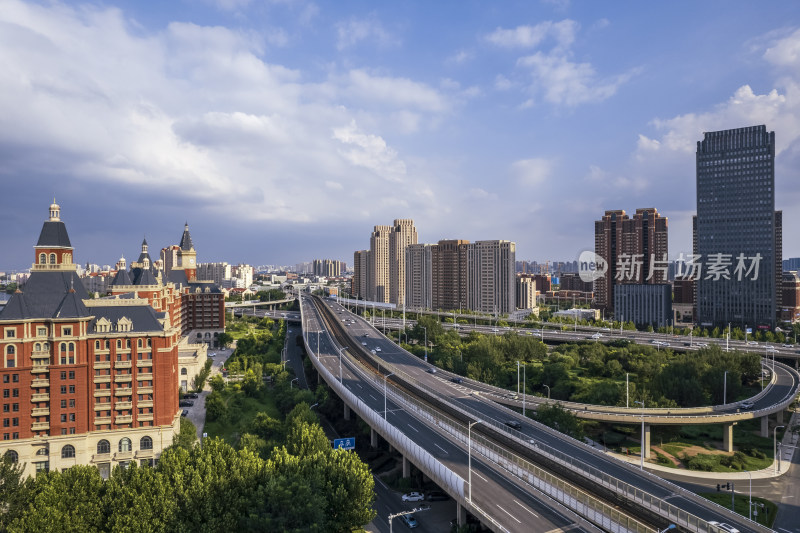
[635,249]
[360,267]
[737,232]
[403,234]
[327,268]
[216,272]
[526,291]
[449,275]
[378,267]
[419,276]
[491,280]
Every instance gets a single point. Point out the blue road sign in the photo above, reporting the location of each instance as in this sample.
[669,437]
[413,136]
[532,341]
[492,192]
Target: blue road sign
[346,444]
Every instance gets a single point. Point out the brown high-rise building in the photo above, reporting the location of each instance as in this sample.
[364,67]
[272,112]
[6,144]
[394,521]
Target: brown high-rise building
[360,267]
[378,266]
[449,279]
[403,234]
[634,248]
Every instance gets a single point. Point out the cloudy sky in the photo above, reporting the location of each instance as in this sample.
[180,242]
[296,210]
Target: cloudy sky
[283,130]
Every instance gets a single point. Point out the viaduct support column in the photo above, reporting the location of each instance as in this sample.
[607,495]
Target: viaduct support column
[646,443]
[373,438]
[406,467]
[780,417]
[765,426]
[461,514]
[727,437]
[346,412]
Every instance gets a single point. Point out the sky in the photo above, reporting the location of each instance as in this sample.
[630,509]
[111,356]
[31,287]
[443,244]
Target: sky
[283,130]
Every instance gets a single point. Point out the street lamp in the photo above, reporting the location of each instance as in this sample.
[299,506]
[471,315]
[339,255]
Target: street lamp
[517,378]
[469,456]
[548,390]
[627,389]
[641,455]
[750,498]
[426,343]
[290,383]
[671,526]
[385,378]
[340,363]
[775,447]
[524,389]
[725,388]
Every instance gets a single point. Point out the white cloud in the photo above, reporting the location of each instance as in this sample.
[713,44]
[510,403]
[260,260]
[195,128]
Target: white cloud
[369,151]
[532,172]
[785,52]
[395,92]
[354,30]
[562,32]
[460,57]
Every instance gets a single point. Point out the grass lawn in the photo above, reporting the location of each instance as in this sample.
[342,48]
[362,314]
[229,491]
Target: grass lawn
[724,498]
[241,411]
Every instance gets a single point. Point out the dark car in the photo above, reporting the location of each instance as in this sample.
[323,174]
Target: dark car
[185,403]
[190,396]
[514,424]
[457,380]
[437,496]
[184,412]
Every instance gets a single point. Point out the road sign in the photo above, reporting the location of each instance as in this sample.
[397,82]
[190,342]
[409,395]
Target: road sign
[346,444]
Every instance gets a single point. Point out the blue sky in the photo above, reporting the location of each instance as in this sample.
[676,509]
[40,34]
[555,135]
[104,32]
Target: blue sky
[283,130]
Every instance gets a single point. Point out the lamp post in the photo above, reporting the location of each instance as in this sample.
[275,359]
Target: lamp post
[426,343]
[517,378]
[548,390]
[340,363]
[469,456]
[641,455]
[627,389]
[671,526]
[750,497]
[725,388]
[290,383]
[524,389]
[385,410]
[775,446]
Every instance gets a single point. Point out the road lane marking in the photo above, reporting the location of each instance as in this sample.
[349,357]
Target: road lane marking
[445,451]
[373,397]
[509,514]
[480,476]
[534,514]
[412,427]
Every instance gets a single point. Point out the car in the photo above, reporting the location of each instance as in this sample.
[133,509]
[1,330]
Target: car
[185,403]
[597,335]
[751,343]
[788,345]
[495,330]
[513,424]
[457,380]
[211,355]
[723,526]
[512,396]
[190,396]
[606,329]
[747,404]
[184,412]
[413,497]
[374,352]
[702,345]
[363,344]
[770,348]
[431,370]
[437,496]
[410,520]
[366,335]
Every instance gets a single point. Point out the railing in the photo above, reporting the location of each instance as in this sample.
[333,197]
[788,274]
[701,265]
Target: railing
[40,397]
[123,392]
[40,411]
[38,426]
[122,364]
[39,382]
[102,364]
[101,379]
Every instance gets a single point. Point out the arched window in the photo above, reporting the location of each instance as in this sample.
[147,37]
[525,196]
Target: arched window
[12,456]
[108,345]
[119,344]
[183,372]
[42,259]
[53,259]
[68,452]
[10,350]
[124,444]
[46,346]
[43,451]
[103,447]
[72,347]
[96,345]
[146,443]
[129,344]
[149,343]
[63,347]
[139,343]
[37,347]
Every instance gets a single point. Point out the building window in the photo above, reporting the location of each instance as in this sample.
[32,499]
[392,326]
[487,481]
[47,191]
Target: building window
[71,374]
[72,417]
[139,343]
[72,389]
[183,372]
[96,345]
[41,332]
[63,389]
[53,259]
[64,417]
[42,259]
[63,375]
[43,466]
[42,451]
[68,452]
[103,447]
[124,444]
[146,443]
[72,403]
[11,454]
[63,404]
[67,331]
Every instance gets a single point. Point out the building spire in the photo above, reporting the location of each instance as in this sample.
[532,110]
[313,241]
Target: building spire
[55,211]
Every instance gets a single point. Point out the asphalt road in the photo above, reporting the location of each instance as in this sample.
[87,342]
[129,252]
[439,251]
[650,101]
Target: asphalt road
[488,410]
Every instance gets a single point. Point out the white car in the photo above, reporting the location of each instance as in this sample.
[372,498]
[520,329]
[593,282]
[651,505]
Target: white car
[724,527]
[770,348]
[377,348]
[413,497]
[363,344]
[751,343]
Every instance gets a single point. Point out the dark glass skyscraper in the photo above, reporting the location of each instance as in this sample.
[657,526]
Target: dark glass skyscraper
[737,230]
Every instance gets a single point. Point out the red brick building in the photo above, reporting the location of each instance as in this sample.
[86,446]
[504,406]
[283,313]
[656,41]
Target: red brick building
[84,381]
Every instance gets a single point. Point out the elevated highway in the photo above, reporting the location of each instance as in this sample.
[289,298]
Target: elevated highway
[523,458]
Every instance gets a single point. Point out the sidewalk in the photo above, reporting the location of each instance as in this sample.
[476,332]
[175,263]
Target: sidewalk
[787,450]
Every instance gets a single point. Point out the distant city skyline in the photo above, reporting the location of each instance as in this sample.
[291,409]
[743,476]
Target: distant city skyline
[281,131]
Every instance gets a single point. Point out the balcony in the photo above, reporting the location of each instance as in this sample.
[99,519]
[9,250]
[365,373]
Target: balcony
[40,382]
[40,426]
[144,390]
[122,364]
[40,397]
[145,418]
[144,362]
[123,405]
[40,411]
[106,406]
[40,369]
[144,377]
[123,392]
[102,364]
[123,456]
[122,378]
[123,419]
[144,454]
[40,355]
[144,403]
[102,392]
[102,379]
[102,420]
[101,457]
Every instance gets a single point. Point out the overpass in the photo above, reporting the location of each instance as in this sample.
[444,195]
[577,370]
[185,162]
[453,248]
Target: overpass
[548,467]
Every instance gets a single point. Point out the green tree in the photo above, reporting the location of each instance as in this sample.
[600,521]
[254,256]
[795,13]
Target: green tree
[187,435]
[558,418]
[217,383]
[13,492]
[139,499]
[216,409]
